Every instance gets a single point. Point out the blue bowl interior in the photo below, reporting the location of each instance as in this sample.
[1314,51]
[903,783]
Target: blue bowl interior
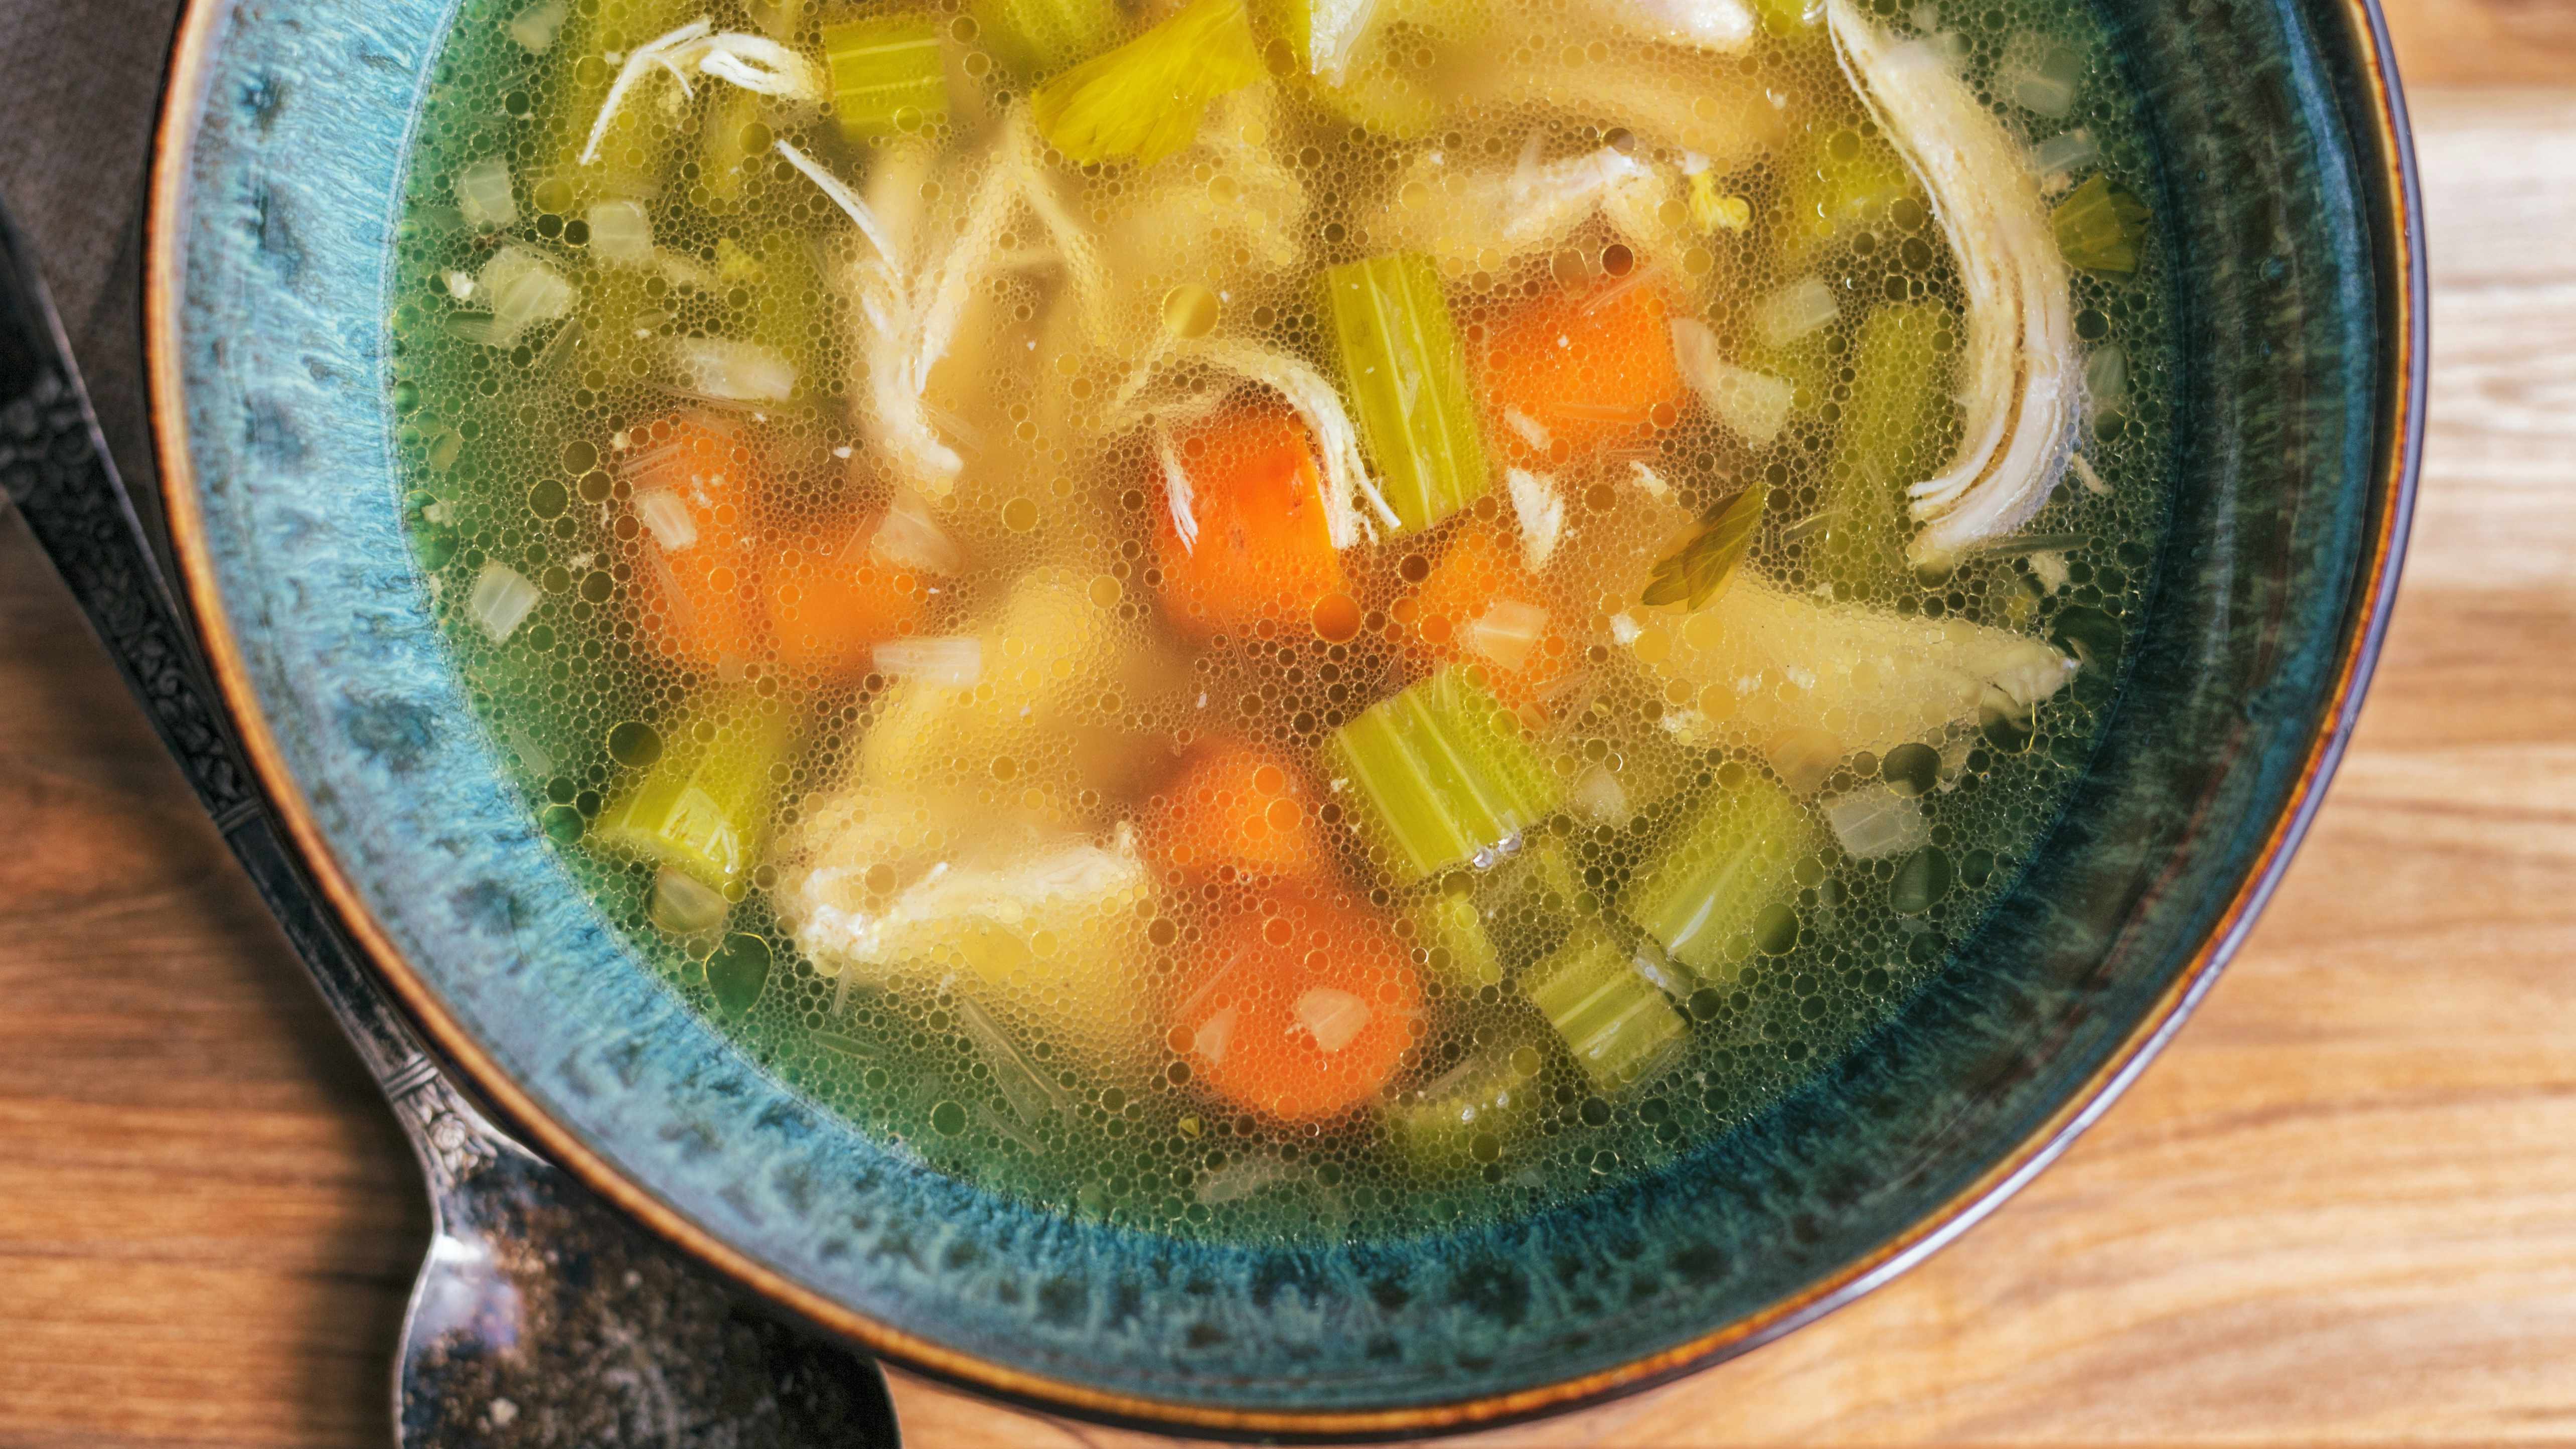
[2273,202]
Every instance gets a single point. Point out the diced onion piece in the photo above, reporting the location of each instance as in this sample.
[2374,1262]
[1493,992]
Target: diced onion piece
[523,289]
[956,661]
[2065,153]
[1215,1035]
[483,195]
[1541,511]
[1240,1179]
[2049,567]
[501,600]
[1598,797]
[1754,404]
[1796,310]
[1507,632]
[910,537]
[1332,1017]
[2040,73]
[666,515]
[1031,1095]
[1874,822]
[719,367]
[2106,377]
[684,905]
[535,28]
[620,232]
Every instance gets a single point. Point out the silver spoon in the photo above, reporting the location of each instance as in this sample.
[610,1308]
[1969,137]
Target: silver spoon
[540,1316]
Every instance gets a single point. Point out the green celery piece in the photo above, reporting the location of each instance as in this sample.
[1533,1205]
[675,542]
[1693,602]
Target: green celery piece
[887,75]
[1455,945]
[1617,1024]
[1440,774]
[1143,101]
[1471,1114]
[1732,856]
[2100,227]
[1039,38]
[1896,431]
[703,807]
[1407,379]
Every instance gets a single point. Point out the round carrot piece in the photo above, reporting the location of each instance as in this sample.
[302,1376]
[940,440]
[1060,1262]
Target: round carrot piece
[1301,1009]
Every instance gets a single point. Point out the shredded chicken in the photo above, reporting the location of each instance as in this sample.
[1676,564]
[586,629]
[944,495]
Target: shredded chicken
[1801,677]
[1458,213]
[911,302]
[753,62]
[2021,376]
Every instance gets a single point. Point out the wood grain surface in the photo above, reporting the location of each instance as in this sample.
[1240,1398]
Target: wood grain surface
[2341,1210]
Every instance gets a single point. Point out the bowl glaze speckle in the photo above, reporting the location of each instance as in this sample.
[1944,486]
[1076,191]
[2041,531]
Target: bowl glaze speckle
[2287,204]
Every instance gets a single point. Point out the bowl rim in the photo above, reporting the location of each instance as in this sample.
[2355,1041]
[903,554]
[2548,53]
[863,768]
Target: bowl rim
[2405,356]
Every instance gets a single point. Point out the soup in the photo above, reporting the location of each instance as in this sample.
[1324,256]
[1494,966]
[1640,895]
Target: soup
[1259,620]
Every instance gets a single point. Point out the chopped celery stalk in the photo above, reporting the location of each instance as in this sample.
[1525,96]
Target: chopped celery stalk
[1407,378]
[1617,1024]
[1897,429]
[1143,101]
[703,808]
[1038,38]
[2100,227]
[1731,856]
[685,906]
[1469,1115]
[887,75]
[1455,946]
[1440,775]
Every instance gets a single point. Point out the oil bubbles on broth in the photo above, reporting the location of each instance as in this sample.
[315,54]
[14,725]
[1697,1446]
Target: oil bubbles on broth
[1258,619]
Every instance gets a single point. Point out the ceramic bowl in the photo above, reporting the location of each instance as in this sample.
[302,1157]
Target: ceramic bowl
[2286,206]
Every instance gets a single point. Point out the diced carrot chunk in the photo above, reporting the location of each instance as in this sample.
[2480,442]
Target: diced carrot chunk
[1238,804]
[831,602]
[1477,605]
[1571,373]
[692,496]
[1260,551]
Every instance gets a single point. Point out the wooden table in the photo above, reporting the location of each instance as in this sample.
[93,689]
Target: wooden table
[2341,1209]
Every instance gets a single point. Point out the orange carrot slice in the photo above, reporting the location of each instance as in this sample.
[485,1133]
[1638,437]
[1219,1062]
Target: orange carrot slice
[1481,605]
[1301,1010]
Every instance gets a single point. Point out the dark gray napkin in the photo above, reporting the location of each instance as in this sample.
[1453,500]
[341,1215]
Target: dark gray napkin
[76,124]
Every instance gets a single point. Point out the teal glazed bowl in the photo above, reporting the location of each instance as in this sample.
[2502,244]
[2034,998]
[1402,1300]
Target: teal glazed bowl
[2288,209]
